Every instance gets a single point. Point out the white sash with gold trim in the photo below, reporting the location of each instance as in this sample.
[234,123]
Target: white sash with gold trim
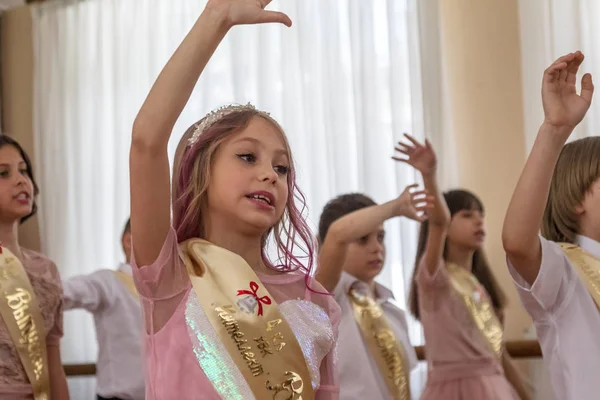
[23,318]
[469,290]
[382,343]
[127,281]
[587,267]
[258,339]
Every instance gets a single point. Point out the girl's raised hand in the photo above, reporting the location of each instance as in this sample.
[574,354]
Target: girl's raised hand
[421,157]
[563,106]
[247,12]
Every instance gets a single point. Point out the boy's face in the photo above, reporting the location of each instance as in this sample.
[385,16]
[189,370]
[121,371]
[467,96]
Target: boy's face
[589,212]
[365,257]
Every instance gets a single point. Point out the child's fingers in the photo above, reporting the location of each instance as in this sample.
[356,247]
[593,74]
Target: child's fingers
[422,218]
[419,193]
[573,67]
[399,150]
[412,140]
[552,73]
[404,146]
[424,207]
[404,160]
[275,17]
[587,88]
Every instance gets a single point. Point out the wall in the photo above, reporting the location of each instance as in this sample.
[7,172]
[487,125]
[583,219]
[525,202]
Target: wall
[481,48]
[16,55]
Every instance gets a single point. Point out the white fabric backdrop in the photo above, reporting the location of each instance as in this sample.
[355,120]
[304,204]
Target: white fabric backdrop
[550,29]
[344,82]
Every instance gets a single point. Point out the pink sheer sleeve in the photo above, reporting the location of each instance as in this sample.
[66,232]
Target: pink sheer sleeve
[433,288]
[162,285]
[435,281]
[330,386]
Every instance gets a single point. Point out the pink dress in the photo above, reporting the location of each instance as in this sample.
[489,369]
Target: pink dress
[45,281]
[181,339]
[461,364]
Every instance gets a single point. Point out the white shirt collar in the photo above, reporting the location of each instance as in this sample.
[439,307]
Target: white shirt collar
[588,244]
[125,268]
[382,293]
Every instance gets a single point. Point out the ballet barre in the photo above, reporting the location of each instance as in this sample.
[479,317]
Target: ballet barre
[516,349]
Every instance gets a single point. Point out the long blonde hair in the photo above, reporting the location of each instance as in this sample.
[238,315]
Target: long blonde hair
[577,169]
[191,180]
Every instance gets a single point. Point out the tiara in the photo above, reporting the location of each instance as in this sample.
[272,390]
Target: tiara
[216,115]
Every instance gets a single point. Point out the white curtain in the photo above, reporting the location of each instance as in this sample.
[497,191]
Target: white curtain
[345,82]
[550,29]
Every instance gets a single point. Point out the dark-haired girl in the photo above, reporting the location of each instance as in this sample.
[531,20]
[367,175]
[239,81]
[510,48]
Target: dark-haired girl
[31,301]
[456,297]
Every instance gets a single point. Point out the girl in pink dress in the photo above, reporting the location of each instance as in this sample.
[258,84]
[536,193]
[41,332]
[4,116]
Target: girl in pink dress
[233,186]
[453,293]
[17,204]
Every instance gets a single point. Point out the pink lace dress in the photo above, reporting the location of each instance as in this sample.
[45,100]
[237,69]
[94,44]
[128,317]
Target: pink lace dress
[44,278]
[461,364]
[180,338]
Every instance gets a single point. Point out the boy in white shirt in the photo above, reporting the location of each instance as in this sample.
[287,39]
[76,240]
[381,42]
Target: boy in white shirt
[111,297]
[351,255]
[558,275]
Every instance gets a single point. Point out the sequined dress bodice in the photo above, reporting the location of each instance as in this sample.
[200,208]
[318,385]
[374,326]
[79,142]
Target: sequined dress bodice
[309,322]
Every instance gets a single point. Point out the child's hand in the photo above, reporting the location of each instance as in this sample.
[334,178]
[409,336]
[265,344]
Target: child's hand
[413,203]
[247,12]
[421,157]
[563,107]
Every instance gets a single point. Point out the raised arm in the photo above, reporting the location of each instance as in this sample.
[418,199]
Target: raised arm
[84,291]
[353,226]
[563,110]
[148,160]
[423,159]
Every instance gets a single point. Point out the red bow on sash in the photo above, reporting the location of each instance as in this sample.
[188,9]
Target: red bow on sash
[254,287]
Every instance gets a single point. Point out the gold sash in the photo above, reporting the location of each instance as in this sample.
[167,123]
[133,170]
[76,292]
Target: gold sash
[587,267]
[478,305]
[127,281]
[248,322]
[382,343]
[23,318]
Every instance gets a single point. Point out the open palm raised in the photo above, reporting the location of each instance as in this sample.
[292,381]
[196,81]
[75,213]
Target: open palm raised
[563,107]
[421,157]
[247,12]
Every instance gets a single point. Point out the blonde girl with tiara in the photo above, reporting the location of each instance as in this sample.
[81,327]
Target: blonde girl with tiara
[557,274]
[222,320]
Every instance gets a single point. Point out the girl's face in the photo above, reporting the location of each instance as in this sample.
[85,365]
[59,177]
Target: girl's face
[467,229]
[365,257]
[16,187]
[248,186]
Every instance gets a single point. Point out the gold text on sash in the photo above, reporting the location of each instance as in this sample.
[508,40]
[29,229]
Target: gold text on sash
[19,303]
